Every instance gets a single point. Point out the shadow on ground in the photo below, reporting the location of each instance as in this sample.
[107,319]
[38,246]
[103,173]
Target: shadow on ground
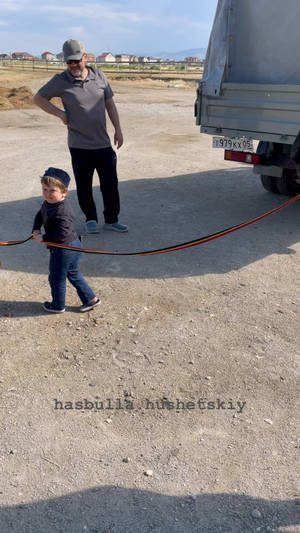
[111,509]
[163,212]
[20,308]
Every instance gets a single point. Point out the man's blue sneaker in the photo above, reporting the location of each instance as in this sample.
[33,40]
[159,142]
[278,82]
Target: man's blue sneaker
[48,306]
[116,226]
[91,226]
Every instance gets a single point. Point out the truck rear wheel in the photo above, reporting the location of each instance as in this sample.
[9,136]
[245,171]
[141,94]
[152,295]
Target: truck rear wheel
[288,184]
[269,183]
[283,185]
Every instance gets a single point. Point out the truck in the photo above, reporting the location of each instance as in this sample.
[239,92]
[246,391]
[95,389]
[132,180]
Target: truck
[250,90]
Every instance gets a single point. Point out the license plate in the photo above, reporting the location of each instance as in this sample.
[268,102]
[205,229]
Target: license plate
[233,143]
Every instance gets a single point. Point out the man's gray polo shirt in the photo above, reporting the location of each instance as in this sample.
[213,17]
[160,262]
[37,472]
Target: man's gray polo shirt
[84,103]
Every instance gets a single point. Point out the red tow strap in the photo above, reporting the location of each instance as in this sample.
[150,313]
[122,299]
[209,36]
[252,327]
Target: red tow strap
[174,248]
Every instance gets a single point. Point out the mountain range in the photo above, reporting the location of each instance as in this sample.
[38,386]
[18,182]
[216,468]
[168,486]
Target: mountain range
[178,56]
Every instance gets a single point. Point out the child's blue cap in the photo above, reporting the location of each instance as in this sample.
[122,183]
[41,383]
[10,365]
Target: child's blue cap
[59,174]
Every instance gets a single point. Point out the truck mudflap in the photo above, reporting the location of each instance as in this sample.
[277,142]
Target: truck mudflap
[197,105]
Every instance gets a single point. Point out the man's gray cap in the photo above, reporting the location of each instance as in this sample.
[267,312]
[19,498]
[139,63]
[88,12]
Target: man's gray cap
[73,50]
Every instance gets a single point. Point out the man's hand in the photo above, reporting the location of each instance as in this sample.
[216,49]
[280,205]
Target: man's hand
[64,118]
[45,105]
[114,117]
[118,138]
[37,235]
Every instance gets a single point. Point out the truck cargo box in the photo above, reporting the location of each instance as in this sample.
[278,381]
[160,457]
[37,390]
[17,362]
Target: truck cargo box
[251,80]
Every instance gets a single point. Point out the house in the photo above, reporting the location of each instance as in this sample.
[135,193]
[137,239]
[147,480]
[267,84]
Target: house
[60,56]
[154,60]
[192,59]
[22,55]
[122,58]
[106,57]
[48,56]
[4,56]
[133,59]
[143,59]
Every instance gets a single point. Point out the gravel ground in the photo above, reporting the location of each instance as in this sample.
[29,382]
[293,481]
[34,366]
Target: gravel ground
[186,377]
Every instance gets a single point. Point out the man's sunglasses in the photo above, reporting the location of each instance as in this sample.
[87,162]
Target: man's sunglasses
[74,61]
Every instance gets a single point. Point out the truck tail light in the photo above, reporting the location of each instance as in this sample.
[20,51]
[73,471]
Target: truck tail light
[242,157]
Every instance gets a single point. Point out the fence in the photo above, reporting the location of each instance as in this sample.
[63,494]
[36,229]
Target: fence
[163,68]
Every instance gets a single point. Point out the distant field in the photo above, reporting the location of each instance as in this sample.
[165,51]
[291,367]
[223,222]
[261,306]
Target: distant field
[160,71]
[33,79]
[17,87]
[9,76]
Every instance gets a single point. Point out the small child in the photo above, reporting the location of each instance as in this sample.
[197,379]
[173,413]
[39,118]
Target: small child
[57,217]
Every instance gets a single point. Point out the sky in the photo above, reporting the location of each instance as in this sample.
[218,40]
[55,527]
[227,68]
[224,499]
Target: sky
[117,26]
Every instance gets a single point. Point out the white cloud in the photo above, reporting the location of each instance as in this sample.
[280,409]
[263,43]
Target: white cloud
[12,6]
[95,11]
[180,24]
[116,25]
[111,12]
[76,30]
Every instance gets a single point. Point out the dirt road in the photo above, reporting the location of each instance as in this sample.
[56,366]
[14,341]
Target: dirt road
[186,378]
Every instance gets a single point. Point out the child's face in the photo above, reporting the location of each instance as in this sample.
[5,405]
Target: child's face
[53,194]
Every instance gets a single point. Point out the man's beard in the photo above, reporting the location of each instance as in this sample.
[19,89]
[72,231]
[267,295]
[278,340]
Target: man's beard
[76,72]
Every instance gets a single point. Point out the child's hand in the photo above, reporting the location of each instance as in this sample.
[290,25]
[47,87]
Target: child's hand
[37,235]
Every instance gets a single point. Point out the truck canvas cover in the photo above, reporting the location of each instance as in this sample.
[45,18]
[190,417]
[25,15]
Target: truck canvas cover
[253,41]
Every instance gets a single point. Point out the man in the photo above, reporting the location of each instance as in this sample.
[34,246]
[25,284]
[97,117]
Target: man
[86,94]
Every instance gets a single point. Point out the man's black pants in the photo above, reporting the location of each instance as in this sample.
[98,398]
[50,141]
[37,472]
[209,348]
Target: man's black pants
[84,163]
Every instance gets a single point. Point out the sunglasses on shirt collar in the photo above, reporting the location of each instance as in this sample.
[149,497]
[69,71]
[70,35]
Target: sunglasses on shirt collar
[74,61]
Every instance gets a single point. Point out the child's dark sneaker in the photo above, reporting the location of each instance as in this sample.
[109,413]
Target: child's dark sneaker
[48,306]
[90,305]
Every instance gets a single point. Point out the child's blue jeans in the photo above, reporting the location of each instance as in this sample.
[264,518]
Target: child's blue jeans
[63,265]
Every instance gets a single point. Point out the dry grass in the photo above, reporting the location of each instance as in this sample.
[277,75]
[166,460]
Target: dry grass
[10,77]
[15,98]
[14,93]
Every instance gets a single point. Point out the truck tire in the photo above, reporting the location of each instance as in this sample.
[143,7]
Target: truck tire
[288,184]
[295,188]
[283,185]
[269,183]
